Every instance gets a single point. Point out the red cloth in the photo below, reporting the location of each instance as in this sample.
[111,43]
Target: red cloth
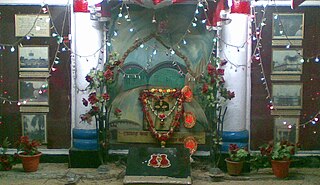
[240,6]
[80,6]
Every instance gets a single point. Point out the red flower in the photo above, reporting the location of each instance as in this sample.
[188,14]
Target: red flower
[85,102]
[220,72]
[95,108]
[213,80]
[108,74]
[93,98]
[230,95]
[86,117]
[223,62]
[205,88]
[89,78]
[105,96]
[211,69]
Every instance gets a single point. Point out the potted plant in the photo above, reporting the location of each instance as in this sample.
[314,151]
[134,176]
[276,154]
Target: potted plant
[6,160]
[236,158]
[279,154]
[28,152]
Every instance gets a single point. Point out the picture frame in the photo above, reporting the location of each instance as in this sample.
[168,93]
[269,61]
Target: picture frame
[32,25]
[33,58]
[34,125]
[34,91]
[288,26]
[287,95]
[286,128]
[287,61]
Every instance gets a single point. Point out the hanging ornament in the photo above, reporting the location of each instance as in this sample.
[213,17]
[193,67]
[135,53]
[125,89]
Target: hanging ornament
[187,93]
[191,143]
[189,120]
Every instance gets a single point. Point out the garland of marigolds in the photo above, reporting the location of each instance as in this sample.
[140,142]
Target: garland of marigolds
[157,94]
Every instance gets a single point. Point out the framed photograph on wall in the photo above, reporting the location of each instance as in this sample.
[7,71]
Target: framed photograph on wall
[286,128]
[287,95]
[34,92]
[288,26]
[34,125]
[32,25]
[286,61]
[34,58]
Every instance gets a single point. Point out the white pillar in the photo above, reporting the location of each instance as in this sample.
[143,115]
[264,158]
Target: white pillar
[87,43]
[88,40]
[234,48]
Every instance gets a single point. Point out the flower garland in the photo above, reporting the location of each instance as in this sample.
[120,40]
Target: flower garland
[152,93]
[162,116]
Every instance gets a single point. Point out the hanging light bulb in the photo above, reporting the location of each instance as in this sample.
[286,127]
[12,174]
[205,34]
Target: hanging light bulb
[317,59]
[131,29]
[302,60]
[120,15]
[204,21]
[115,33]
[142,46]
[154,52]
[28,37]
[194,24]
[197,11]
[12,49]
[108,44]
[184,42]
[154,19]
[172,52]
[275,16]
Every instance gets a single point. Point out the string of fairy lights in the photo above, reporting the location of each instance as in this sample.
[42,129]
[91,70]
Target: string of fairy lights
[256,57]
[202,6]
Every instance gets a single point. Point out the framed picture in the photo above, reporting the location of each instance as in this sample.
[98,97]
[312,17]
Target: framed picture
[34,58]
[286,128]
[288,26]
[286,61]
[34,125]
[287,95]
[34,92]
[32,25]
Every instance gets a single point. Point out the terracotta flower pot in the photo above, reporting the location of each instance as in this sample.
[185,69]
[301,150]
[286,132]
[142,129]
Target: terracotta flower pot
[280,168]
[234,168]
[30,163]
